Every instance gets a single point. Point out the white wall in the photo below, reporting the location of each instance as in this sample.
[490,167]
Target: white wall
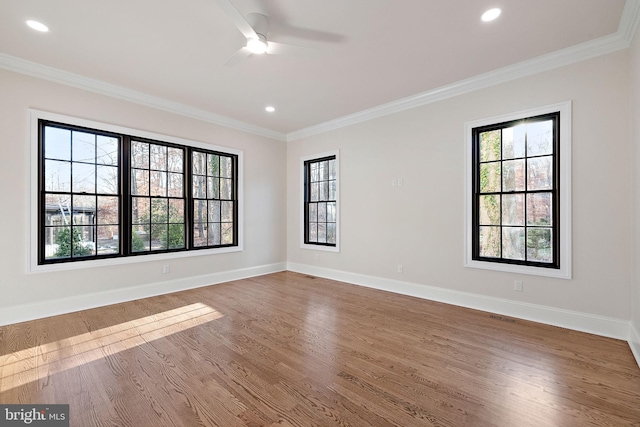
[24,295]
[635,114]
[420,225]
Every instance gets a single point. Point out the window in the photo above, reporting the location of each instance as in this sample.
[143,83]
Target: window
[516,197]
[320,208]
[105,193]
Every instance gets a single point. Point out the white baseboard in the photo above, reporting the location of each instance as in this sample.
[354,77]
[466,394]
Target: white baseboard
[39,310]
[583,322]
[634,342]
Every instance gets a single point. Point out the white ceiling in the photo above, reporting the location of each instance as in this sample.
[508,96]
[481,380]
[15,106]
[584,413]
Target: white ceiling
[366,53]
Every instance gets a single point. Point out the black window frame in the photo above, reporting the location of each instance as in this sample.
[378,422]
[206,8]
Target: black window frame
[307,201]
[125,196]
[555,193]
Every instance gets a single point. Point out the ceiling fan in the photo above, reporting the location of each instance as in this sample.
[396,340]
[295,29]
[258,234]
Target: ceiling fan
[255,28]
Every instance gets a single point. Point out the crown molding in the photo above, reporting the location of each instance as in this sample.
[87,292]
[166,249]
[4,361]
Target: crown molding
[620,40]
[33,69]
[601,46]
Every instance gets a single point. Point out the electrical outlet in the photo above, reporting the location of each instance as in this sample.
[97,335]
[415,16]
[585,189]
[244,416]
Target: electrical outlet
[517,286]
[165,269]
[400,268]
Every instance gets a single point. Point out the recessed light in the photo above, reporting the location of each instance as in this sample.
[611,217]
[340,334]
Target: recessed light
[491,14]
[38,26]
[269,108]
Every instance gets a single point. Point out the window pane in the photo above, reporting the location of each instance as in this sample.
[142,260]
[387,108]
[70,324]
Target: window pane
[513,142]
[200,234]
[108,242]
[331,233]
[84,209]
[57,176]
[108,210]
[139,182]
[139,155]
[331,212]
[227,211]
[513,209]
[214,234]
[313,172]
[175,158]
[539,209]
[57,209]
[199,186]
[540,138]
[323,170]
[322,232]
[84,241]
[225,189]
[158,184]
[159,211]
[159,236]
[225,167]
[513,175]
[140,239]
[314,191]
[313,232]
[158,157]
[490,242]
[57,143]
[333,171]
[513,243]
[214,211]
[83,147]
[323,190]
[213,165]
[199,160]
[84,178]
[107,180]
[57,242]
[322,212]
[490,146]
[540,173]
[176,185]
[332,190]
[176,211]
[490,210]
[140,210]
[226,237]
[490,177]
[313,212]
[213,188]
[176,236]
[200,210]
[107,150]
[539,244]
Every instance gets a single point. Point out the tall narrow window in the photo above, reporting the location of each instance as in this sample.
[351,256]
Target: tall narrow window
[214,199]
[516,191]
[79,193]
[321,201]
[157,197]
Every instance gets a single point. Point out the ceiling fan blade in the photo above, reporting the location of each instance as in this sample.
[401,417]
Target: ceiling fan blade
[237,18]
[237,57]
[276,48]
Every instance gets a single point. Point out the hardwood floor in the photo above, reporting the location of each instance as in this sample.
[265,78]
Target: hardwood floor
[291,350]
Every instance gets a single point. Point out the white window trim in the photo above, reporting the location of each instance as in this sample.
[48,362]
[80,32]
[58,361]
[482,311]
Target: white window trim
[565,193]
[304,245]
[32,232]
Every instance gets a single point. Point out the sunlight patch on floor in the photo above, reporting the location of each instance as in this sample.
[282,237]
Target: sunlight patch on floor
[42,361]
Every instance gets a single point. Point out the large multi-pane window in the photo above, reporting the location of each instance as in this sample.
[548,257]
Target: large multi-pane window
[320,201]
[105,195]
[516,192]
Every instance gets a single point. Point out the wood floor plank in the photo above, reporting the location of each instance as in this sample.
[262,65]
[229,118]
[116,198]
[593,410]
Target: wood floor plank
[288,349]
